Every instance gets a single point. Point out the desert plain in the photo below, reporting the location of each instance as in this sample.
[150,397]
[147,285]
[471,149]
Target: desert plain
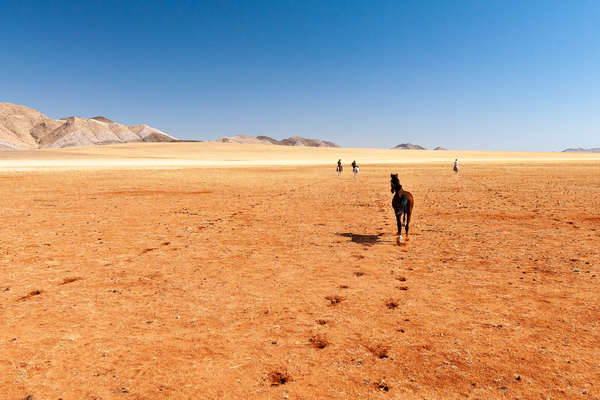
[224,271]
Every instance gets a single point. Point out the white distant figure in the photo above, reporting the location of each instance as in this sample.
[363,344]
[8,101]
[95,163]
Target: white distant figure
[456,165]
[355,169]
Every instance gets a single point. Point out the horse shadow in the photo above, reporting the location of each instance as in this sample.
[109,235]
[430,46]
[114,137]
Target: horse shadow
[365,240]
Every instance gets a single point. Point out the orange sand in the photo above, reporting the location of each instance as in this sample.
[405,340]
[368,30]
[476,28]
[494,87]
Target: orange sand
[134,282]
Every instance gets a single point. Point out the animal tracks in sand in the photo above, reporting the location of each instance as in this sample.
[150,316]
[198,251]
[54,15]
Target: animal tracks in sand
[392,304]
[378,350]
[334,300]
[319,341]
[277,378]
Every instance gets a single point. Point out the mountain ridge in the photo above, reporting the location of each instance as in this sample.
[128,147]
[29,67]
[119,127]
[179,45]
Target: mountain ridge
[22,127]
[291,141]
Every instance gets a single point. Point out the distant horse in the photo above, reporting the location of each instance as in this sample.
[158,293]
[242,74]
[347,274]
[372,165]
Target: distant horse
[355,171]
[402,203]
[339,169]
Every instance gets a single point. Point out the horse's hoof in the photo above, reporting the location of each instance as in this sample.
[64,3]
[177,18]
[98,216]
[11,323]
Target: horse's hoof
[400,240]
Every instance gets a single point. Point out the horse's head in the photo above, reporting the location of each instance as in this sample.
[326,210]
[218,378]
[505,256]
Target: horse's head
[395,183]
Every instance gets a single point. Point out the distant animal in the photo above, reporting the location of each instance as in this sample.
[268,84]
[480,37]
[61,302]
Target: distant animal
[456,166]
[339,167]
[355,171]
[402,203]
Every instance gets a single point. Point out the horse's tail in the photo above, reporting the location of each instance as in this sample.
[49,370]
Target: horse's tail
[404,204]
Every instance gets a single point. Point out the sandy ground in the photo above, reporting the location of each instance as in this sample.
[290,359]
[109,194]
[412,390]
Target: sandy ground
[274,282]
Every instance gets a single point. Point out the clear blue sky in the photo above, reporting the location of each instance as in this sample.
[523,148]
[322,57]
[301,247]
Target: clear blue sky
[500,75]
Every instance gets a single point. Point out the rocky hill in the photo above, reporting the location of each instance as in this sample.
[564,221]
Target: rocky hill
[409,146]
[582,150]
[292,141]
[25,128]
[245,139]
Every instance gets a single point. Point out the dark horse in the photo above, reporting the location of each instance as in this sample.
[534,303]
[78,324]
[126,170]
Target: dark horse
[402,203]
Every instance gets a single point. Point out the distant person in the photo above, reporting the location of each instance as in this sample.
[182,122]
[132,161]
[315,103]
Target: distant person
[355,169]
[456,165]
[339,167]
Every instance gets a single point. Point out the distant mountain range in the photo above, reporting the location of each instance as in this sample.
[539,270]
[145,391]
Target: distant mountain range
[25,128]
[292,141]
[582,150]
[410,146]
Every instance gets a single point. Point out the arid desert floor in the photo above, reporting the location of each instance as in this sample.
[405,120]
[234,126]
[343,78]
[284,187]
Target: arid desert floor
[205,271]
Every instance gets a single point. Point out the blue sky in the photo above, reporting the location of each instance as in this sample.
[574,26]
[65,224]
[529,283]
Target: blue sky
[498,75]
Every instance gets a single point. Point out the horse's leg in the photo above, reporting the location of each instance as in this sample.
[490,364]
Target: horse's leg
[399,223]
[407,221]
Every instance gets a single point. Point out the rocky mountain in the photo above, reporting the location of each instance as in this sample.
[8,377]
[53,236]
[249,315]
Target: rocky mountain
[268,139]
[245,139]
[409,146]
[292,141]
[440,148]
[25,128]
[300,141]
[582,150]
